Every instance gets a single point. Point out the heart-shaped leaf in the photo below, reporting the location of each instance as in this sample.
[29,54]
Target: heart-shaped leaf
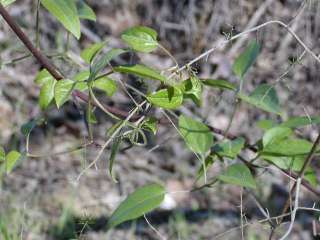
[90,52]
[66,12]
[238,174]
[138,203]
[107,85]
[62,91]
[170,98]
[142,39]
[246,59]
[264,97]
[197,135]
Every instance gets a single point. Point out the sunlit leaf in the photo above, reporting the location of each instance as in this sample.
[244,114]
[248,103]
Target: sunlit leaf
[107,85]
[192,88]
[47,93]
[62,91]
[264,97]
[66,12]
[11,159]
[2,154]
[138,203]
[265,124]
[90,52]
[42,77]
[142,39]
[141,71]
[166,98]
[197,135]
[276,134]
[7,2]
[238,174]
[150,124]
[246,59]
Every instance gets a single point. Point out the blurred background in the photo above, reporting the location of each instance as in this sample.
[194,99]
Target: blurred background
[40,199]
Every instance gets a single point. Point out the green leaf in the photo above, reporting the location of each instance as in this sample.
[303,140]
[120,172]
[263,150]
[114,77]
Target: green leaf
[295,122]
[287,147]
[7,2]
[276,134]
[11,160]
[150,124]
[142,39]
[141,71]
[170,98]
[264,97]
[107,85]
[66,12]
[42,77]
[192,88]
[85,11]
[90,52]
[114,150]
[238,174]
[138,203]
[103,61]
[80,78]
[229,148]
[197,135]
[219,83]
[265,124]
[2,154]
[47,93]
[246,59]
[62,91]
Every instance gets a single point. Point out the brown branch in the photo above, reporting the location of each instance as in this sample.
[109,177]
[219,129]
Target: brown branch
[45,62]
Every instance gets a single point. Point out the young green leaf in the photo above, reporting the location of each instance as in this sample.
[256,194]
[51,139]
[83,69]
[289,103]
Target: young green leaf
[295,122]
[107,85]
[90,52]
[42,77]
[80,78]
[103,61]
[276,134]
[264,97]
[150,124]
[265,124]
[66,12]
[287,147]
[197,135]
[62,91]
[7,2]
[238,174]
[142,39]
[141,71]
[192,88]
[47,93]
[85,11]
[229,148]
[170,98]
[219,83]
[11,159]
[246,59]
[138,203]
